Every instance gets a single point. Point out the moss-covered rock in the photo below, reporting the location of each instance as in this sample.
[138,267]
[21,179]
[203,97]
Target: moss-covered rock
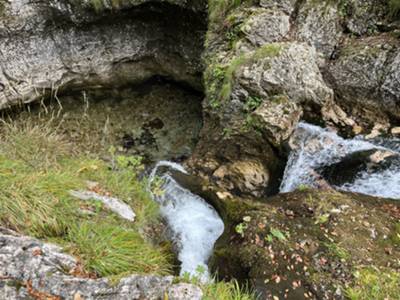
[312,245]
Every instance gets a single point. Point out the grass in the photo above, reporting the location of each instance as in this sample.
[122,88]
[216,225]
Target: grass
[221,290]
[394,8]
[109,249]
[226,291]
[38,168]
[374,284]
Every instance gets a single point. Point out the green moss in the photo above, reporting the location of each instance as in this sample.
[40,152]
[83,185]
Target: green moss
[372,284]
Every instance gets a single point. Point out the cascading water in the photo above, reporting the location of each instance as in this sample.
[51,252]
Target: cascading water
[194,223]
[315,148]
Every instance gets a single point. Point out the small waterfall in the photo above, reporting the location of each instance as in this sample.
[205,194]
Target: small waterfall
[195,224]
[314,148]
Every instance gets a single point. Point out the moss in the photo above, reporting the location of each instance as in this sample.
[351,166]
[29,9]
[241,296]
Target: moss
[373,283]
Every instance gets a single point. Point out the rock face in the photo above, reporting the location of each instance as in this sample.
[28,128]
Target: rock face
[332,62]
[32,269]
[366,77]
[50,46]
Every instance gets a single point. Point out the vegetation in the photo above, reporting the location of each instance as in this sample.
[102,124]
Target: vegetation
[220,290]
[372,284]
[38,168]
[394,8]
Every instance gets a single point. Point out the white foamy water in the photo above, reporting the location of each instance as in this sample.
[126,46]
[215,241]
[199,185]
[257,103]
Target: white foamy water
[315,147]
[195,224]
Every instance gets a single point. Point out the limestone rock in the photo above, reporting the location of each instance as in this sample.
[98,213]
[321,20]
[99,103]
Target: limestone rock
[292,72]
[363,16]
[249,177]
[277,118]
[29,267]
[266,27]
[47,47]
[287,6]
[319,24]
[366,77]
[184,291]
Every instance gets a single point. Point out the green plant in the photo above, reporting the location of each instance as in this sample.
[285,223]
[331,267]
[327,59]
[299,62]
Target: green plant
[394,8]
[337,251]
[38,168]
[252,103]
[276,233]
[241,228]
[221,290]
[109,249]
[372,284]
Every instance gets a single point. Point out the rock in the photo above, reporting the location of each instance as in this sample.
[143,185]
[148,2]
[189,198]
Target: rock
[353,164]
[287,6]
[395,131]
[277,118]
[29,267]
[319,24]
[364,16]
[184,291]
[47,47]
[266,27]
[248,177]
[313,251]
[365,78]
[291,70]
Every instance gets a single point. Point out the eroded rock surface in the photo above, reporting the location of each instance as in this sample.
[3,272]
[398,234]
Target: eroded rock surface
[334,63]
[51,46]
[30,269]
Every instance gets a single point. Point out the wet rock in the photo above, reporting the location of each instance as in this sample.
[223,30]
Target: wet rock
[29,268]
[369,161]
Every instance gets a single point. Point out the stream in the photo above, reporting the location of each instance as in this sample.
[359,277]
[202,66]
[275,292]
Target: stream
[316,150]
[195,224]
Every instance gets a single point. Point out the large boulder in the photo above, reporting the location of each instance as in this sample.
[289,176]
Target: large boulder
[365,78]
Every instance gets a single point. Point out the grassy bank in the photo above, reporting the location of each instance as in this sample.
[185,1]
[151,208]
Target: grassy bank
[38,168]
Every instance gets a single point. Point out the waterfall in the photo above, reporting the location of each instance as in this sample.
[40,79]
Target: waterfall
[314,148]
[194,223]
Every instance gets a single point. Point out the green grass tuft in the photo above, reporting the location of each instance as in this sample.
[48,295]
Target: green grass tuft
[108,249]
[394,8]
[38,168]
